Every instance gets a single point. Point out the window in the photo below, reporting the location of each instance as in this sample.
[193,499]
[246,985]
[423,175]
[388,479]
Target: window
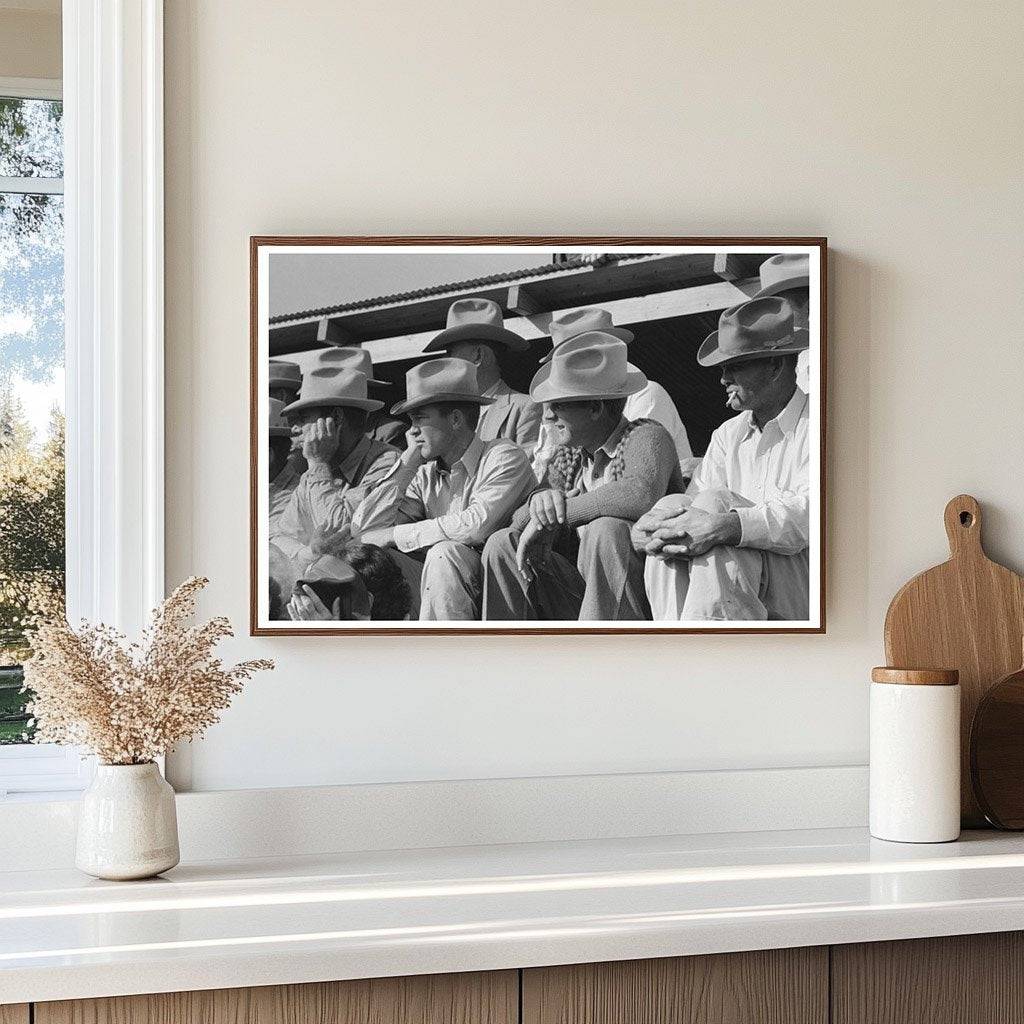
[32,488]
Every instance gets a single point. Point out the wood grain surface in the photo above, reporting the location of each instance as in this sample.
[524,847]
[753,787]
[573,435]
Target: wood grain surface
[480,998]
[14,1013]
[962,979]
[967,614]
[778,986]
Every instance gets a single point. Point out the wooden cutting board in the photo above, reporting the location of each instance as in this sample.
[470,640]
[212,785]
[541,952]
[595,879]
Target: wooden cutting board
[967,614]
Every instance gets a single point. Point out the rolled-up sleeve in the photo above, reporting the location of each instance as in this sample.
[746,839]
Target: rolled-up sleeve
[503,480]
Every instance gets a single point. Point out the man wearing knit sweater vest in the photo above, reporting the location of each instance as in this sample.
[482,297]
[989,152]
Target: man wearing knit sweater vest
[567,554]
[735,546]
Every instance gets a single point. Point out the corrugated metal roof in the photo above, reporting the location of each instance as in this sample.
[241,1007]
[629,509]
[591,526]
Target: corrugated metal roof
[575,262]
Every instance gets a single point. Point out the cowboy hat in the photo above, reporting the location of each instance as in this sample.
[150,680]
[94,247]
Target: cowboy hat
[753,330]
[350,359]
[476,320]
[333,386]
[440,380]
[591,366]
[276,425]
[285,375]
[783,271]
[580,321]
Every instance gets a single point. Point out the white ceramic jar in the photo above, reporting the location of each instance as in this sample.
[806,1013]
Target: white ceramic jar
[127,824]
[915,755]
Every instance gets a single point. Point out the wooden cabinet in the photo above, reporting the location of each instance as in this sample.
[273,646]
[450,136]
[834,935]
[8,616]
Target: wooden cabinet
[970,979]
[962,979]
[776,986]
[491,998]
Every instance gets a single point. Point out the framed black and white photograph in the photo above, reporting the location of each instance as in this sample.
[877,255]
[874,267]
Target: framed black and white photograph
[537,435]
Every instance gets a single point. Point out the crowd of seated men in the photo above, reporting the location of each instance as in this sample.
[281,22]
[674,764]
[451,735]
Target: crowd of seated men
[581,500]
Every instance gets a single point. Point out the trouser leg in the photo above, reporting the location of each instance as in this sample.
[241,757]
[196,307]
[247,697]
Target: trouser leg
[451,587]
[412,571]
[612,571]
[556,593]
[726,583]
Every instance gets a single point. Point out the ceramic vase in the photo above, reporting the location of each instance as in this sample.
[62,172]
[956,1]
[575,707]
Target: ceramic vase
[127,825]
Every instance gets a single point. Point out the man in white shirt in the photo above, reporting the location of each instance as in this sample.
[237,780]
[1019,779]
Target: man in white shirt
[735,546]
[652,402]
[450,491]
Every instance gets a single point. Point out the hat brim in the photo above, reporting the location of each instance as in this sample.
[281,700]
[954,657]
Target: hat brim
[368,404]
[478,332]
[542,390]
[801,281]
[709,354]
[449,396]
[617,332]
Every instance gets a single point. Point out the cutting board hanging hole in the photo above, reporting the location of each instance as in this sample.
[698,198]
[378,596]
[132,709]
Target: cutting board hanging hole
[963,526]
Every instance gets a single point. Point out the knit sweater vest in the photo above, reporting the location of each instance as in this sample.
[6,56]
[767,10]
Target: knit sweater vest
[644,468]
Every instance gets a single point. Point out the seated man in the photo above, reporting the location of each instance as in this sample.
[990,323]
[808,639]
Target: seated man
[788,275]
[379,425]
[735,546]
[284,477]
[450,492]
[600,480]
[344,464]
[476,332]
[651,402]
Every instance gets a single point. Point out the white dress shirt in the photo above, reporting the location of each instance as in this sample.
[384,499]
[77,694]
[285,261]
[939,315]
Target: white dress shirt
[769,467]
[467,503]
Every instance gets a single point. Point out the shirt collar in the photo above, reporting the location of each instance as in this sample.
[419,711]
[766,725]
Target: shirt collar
[613,438]
[349,466]
[470,458]
[497,390]
[786,421]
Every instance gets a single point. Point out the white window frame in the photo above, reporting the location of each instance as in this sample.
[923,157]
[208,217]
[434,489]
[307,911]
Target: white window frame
[114,335]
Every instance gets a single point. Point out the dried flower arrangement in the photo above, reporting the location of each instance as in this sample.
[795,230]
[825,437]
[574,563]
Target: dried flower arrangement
[130,703]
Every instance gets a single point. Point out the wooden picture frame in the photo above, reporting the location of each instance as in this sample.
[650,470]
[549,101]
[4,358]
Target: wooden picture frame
[732,266]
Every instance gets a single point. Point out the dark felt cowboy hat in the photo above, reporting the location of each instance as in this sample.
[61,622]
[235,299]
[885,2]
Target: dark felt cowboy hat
[333,386]
[276,425]
[591,366]
[440,380]
[580,321]
[783,271]
[284,374]
[753,330]
[477,320]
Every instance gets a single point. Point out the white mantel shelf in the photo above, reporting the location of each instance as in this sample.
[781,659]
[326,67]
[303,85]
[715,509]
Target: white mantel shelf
[267,922]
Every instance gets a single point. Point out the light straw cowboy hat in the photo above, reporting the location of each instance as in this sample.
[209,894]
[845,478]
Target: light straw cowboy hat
[440,380]
[350,359]
[276,425]
[784,271]
[477,320]
[333,386]
[591,366]
[580,321]
[285,375]
[753,330]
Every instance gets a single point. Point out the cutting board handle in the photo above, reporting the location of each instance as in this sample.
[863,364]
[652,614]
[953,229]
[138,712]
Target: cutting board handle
[963,526]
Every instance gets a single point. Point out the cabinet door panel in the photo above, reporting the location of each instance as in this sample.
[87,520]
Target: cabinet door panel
[14,1013]
[960,979]
[481,998]
[778,986]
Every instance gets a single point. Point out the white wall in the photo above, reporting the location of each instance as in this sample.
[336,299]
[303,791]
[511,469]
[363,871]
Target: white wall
[30,39]
[895,129]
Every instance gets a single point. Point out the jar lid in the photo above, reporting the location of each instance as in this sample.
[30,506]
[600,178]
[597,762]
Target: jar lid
[916,676]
